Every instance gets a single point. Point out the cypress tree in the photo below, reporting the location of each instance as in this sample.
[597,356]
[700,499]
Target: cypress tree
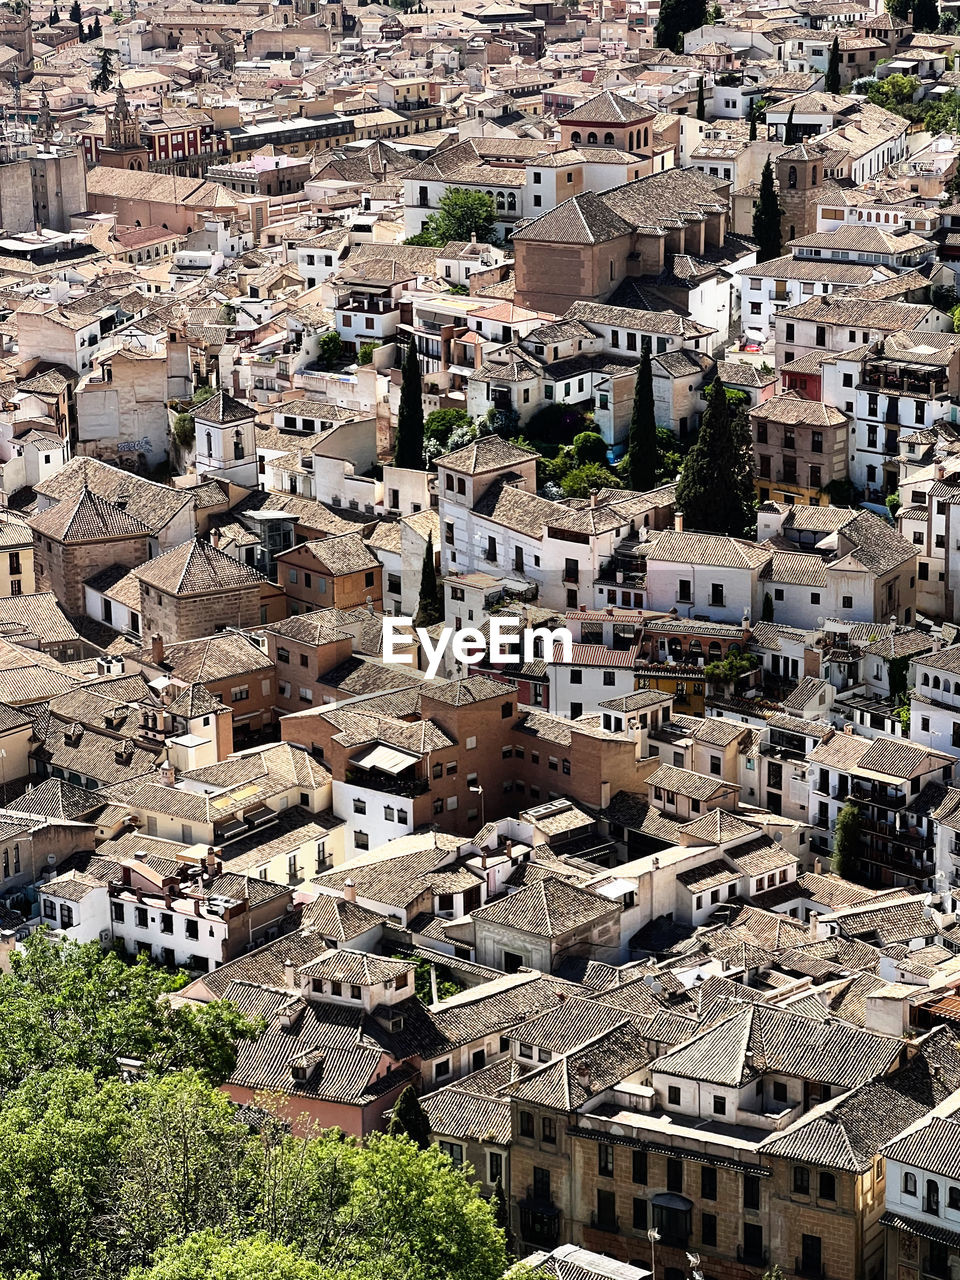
[54,16]
[409,1120]
[409,449]
[846,841]
[710,488]
[643,452]
[753,122]
[788,129]
[766,218]
[430,606]
[97,28]
[76,13]
[831,81]
[766,613]
[501,1211]
[926,15]
[701,102]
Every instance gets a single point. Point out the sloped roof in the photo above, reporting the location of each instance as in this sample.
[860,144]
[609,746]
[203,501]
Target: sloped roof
[196,567]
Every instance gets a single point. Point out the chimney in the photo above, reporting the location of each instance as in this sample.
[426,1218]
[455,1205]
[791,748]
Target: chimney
[289,975]
[473,237]
[678,521]
[214,538]
[156,649]
[583,1075]
[211,860]
[848,728]
[941,471]
[349,890]
[168,774]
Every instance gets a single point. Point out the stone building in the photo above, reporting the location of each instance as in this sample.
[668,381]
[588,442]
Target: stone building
[196,589]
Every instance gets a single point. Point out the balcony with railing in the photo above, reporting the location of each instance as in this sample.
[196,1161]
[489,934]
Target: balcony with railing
[879,795]
[810,1268]
[903,380]
[387,783]
[540,1220]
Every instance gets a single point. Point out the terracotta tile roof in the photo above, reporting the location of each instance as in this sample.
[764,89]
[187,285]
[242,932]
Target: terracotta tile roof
[196,568]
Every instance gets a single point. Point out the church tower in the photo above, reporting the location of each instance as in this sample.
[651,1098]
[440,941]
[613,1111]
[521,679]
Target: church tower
[123,148]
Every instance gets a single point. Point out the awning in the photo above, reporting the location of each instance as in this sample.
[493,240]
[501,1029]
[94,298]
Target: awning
[389,759]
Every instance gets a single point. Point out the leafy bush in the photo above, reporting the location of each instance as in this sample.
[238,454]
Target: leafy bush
[184,430]
[365,354]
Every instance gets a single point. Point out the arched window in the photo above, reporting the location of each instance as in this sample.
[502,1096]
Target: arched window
[630,141]
[696,646]
[946,686]
[511,202]
[936,682]
[209,445]
[924,679]
[792,176]
[646,137]
[501,202]
[714,650]
[591,138]
[909,1184]
[931,1201]
[813,176]
[575,136]
[608,139]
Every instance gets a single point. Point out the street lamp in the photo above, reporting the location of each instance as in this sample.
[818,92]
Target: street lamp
[653,1235]
[477,789]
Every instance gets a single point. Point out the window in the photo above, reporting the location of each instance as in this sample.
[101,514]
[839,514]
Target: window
[708,1228]
[909,1184]
[441,1069]
[708,1182]
[779,1091]
[359,806]
[719,1105]
[751,1191]
[494,1166]
[548,1130]
[828,1186]
[526,1124]
[140,917]
[673,1095]
[931,1200]
[605,1164]
[801,1180]
[640,1167]
[674,1174]
[454,1150]
[639,1214]
[166,922]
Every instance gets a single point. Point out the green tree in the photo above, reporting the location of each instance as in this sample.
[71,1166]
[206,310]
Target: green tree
[788,130]
[710,489]
[753,124]
[899,9]
[76,13]
[73,1005]
[894,92]
[846,841]
[766,613]
[209,1255]
[581,481]
[97,27]
[54,16]
[365,354]
[430,607]
[643,450]
[103,79]
[441,423]
[926,15]
[767,217]
[409,444]
[701,101]
[501,1211]
[462,213]
[330,349]
[184,430]
[831,80]
[409,1120]
[677,17]
[589,446]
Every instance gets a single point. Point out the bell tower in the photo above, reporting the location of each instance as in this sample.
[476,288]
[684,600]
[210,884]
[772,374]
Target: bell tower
[123,148]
